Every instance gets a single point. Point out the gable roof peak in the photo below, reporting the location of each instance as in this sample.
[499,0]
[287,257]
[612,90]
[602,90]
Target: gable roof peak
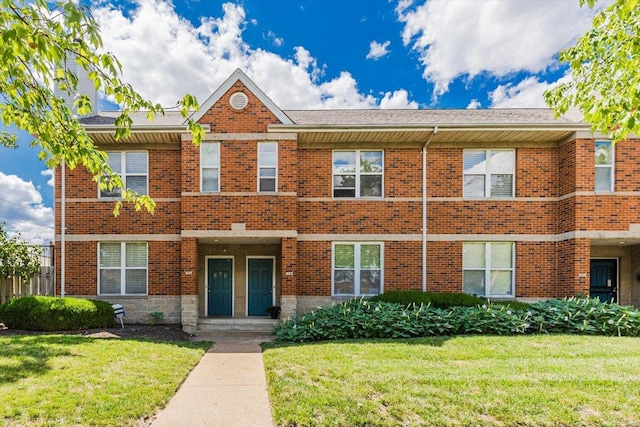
[240,75]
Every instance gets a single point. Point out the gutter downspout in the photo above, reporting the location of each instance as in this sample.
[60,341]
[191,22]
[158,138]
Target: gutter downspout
[424,209]
[62,229]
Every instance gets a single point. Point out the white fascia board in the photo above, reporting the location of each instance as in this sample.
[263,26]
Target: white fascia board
[142,128]
[238,74]
[421,128]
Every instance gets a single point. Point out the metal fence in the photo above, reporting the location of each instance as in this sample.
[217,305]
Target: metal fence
[39,284]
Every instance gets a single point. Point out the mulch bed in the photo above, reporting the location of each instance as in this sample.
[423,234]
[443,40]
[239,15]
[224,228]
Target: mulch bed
[151,332]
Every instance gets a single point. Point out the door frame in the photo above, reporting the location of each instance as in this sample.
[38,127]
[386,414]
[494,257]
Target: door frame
[617,259]
[206,282]
[273,279]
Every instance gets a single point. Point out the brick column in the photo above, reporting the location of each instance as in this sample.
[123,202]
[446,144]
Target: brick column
[574,264]
[289,291]
[189,284]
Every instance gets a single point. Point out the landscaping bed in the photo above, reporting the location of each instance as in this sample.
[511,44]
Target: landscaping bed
[150,332]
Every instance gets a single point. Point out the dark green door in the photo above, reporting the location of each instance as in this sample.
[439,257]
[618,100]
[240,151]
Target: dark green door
[219,285]
[604,280]
[260,285]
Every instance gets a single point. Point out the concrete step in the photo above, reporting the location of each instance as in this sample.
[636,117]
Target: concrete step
[245,324]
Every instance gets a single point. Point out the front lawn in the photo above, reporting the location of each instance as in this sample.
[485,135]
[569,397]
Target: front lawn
[67,380]
[538,380]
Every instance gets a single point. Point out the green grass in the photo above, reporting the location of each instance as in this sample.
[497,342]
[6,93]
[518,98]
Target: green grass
[540,380]
[65,380]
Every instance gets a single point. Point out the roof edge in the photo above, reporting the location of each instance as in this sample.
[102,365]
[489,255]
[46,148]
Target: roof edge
[442,127]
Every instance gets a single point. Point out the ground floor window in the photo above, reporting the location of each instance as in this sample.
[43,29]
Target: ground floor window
[488,268]
[123,268]
[357,269]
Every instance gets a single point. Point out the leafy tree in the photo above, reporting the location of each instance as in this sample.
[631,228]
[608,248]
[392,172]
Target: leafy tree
[604,64]
[17,258]
[36,44]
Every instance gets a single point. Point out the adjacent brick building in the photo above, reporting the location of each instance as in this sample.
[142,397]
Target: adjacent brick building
[302,208]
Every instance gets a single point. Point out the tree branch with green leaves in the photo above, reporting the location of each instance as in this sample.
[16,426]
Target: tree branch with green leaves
[605,76]
[37,43]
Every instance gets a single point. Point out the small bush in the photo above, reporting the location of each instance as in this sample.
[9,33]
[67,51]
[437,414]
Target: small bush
[434,299]
[38,313]
[379,319]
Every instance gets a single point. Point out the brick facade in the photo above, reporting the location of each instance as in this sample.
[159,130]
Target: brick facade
[554,202]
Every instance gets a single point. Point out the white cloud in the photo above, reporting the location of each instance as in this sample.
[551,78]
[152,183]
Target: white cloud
[277,41]
[50,174]
[470,37]
[474,104]
[22,210]
[164,56]
[397,99]
[528,93]
[378,50]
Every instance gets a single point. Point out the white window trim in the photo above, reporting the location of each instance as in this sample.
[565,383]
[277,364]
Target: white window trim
[488,268]
[209,167]
[123,174]
[357,268]
[612,184]
[123,270]
[268,166]
[357,175]
[487,175]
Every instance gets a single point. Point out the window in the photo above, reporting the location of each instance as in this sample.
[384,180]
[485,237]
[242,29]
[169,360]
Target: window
[267,166]
[489,173]
[357,173]
[132,167]
[488,269]
[210,166]
[357,269]
[123,269]
[604,166]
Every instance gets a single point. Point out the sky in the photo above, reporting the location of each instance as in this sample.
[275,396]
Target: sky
[316,54]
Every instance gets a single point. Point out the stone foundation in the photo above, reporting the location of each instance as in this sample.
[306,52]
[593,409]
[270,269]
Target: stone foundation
[189,313]
[139,309]
[308,303]
[288,305]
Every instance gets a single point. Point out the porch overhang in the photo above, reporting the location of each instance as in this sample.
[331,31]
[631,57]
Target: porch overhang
[246,237]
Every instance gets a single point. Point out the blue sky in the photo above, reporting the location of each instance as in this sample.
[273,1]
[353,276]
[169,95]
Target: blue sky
[319,54]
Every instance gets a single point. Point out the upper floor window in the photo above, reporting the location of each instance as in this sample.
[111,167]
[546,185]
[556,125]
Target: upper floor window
[132,167]
[267,166]
[604,166]
[210,166]
[489,173]
[122,268]
[488,269]
[357,269]
[358,173]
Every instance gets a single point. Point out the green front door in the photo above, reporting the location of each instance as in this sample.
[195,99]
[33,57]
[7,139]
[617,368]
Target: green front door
[260,285]
[604,280]
[219,286]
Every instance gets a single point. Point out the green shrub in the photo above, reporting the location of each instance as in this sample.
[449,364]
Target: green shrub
[38,313]
[584,316]
[378,319]
[514,305]
[435,299]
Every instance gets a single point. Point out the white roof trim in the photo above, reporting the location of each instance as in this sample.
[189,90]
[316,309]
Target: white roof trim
[238,74]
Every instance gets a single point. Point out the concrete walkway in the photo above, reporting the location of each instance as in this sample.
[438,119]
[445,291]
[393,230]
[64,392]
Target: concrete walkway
[227,388]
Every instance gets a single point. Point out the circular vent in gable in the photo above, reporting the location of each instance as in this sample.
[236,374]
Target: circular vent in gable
[238,100]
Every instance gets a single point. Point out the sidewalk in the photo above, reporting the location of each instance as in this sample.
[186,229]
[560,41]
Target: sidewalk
[227,388]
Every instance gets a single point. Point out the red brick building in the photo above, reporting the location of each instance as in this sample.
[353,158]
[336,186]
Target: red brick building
[302,208]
